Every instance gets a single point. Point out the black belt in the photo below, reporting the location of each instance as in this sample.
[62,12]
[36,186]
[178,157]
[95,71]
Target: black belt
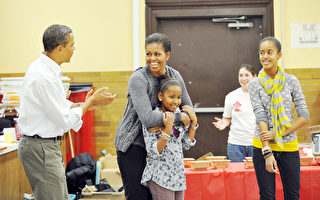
[51,138]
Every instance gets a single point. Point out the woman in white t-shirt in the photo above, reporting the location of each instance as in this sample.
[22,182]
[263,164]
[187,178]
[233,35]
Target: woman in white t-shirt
[238,112]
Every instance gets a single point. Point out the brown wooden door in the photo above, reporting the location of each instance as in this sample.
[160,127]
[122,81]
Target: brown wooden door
[208,56]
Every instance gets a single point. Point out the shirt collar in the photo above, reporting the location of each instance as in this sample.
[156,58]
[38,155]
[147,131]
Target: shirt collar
[51,64]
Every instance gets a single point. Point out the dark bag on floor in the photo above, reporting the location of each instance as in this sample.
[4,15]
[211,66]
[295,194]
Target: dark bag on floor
[104,186]
[80,171]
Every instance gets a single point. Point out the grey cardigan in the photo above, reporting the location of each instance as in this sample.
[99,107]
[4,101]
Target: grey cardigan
[261,103]
[142,99]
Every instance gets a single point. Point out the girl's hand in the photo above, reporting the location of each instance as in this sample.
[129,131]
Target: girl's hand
[168,119]
[220,123]
[271,164]
[191,113]
[267,136]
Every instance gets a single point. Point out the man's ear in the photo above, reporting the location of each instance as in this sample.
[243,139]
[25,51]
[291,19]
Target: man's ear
[59,48]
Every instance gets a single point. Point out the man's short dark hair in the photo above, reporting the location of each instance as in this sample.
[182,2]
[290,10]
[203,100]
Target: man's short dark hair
[55,35]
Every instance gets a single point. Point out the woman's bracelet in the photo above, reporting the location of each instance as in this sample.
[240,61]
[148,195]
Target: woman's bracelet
[164,135]
[78,104]
[266,148]
[268,154]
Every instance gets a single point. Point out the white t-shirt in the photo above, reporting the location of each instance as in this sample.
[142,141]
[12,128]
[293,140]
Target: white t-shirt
[238,107]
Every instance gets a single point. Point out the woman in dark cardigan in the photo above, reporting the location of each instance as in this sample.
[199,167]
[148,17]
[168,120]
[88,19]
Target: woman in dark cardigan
[142,101]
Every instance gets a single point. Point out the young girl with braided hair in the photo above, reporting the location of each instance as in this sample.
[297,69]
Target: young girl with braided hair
[164,172]
[275,144]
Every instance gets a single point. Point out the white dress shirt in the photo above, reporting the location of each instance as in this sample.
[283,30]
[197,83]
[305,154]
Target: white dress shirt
[44,109]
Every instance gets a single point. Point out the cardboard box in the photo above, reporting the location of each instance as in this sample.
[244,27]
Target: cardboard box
[107,167]
[109,170]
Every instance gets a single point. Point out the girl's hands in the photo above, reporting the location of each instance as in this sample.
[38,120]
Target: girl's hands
[271,164]
[168,119]
[191,113]
[267,136]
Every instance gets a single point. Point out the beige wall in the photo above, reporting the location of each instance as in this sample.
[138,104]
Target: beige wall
[296,11]
[103,32]
[104,46]
[102,29]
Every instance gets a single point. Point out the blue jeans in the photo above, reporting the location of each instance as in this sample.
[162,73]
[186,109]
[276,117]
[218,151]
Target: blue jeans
[237,153]
[289,168]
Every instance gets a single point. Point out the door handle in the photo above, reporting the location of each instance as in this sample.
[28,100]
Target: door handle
[209,110]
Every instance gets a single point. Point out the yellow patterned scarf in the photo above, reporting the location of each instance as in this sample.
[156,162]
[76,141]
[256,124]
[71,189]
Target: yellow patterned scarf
[274,86]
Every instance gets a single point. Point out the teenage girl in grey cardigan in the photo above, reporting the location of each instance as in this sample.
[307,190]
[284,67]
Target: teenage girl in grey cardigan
[275,143]
[142,101]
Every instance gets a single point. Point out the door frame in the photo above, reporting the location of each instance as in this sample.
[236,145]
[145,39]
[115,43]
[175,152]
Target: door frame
[158,10]
[175,9]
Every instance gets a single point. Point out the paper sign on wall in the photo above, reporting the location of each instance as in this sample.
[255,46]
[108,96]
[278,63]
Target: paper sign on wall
[305,35]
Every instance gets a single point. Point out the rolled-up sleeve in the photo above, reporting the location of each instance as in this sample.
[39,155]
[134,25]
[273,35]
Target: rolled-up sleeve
[78,123]
[186,141]
[151,141]
[58,109]
[69,103]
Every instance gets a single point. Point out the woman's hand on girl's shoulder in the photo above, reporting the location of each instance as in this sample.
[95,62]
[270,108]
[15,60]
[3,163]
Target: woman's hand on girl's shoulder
[156,130]
[185,119]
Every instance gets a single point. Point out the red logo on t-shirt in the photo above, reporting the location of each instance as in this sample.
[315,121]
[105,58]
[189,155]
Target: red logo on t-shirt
[237,106]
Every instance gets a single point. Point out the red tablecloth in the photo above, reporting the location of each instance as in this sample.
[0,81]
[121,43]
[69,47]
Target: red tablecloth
[238,183]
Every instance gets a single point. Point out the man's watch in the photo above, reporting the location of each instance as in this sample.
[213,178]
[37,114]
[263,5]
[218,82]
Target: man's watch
[78,104]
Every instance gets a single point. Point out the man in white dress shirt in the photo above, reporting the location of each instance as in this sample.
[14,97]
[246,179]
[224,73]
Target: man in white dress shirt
[45,115]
